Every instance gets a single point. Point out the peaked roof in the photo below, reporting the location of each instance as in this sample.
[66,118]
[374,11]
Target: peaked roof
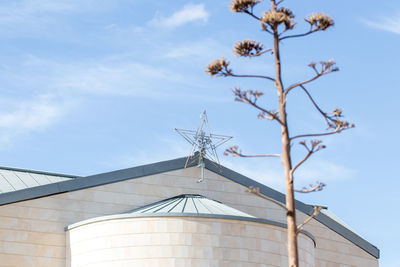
[176,164]
[190,204]
[13,179]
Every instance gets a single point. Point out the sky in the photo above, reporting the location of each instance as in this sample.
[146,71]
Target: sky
[93,86]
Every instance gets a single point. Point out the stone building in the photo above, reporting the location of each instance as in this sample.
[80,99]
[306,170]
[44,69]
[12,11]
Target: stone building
[159,215]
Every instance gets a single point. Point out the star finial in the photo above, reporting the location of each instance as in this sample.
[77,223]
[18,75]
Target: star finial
[204,143]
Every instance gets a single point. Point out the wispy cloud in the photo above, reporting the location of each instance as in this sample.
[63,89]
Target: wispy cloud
[33,12]
[114,75]
[389,24]
[324,171]
[171,148]
[269,173]
[206,48]
[44,91]
[22,8]
[189,13]
[22,117]
[124,79]
[53,19]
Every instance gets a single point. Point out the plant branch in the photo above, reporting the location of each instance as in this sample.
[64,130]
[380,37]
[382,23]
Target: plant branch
[250,97]
[317,210]
[249,48]
[220,67]
[300,163]
[313,101]
[265,51]
[236,152]
[256,191]
[279,2]
[327,118]
[259,19]
[302,83]
[337,130]
[251,76]
[317,21]
[251,14]
[326,68]
[332,120]
[315,146]
[272,115]
[313,188]
[298,35]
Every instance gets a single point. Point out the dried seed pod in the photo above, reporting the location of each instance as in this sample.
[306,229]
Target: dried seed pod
[320,21]
[243,5]
[248,48]
[272,19]
[219,67]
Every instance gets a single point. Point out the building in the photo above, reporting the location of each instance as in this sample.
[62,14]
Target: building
[159,215]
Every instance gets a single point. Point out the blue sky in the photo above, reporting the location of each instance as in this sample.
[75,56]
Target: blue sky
[92,86]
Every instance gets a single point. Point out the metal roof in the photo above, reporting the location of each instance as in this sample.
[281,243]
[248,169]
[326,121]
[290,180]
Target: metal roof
[14,179]
[190,204]
[177,164]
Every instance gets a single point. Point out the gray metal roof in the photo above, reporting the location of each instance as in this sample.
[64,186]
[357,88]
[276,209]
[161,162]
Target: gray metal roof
[177,164]
[13,179]
[190,204]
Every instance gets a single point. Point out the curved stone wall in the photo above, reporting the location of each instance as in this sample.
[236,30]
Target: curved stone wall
[181,241]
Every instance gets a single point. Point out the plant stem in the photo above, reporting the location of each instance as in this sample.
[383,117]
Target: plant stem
[286,157]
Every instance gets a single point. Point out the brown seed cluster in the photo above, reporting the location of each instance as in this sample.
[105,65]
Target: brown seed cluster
[248,48]
[219,67]
[243,5]
[320,21]
[271,19]
[325,67]
[233,150]
[247,96]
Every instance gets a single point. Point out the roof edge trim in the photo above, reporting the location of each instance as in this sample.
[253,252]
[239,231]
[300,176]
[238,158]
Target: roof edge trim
[93,180]
[39,172]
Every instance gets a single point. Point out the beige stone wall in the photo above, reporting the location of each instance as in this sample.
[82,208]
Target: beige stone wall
[32,232]
[333,250]
[182,241]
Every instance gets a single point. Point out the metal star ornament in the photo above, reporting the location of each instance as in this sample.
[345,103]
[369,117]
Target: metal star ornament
[204,144]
